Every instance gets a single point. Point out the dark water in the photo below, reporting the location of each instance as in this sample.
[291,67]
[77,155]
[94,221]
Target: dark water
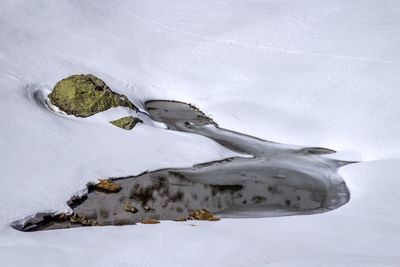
[271,180]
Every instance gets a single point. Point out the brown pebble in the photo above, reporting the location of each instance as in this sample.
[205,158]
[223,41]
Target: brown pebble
[130,208]
[203,215]
[108,186]
[150,221]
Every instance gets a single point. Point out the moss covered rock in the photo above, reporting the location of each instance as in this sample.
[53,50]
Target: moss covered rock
[85,95]
[126,123]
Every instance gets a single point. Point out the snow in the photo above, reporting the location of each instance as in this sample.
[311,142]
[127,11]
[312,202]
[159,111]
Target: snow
[315,73]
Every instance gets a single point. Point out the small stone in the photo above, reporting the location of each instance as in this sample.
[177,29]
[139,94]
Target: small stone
[64,217]
[126,123]
[130,208]
[87,222]
[74,219]
[108,186]
[203,215]
[150,221]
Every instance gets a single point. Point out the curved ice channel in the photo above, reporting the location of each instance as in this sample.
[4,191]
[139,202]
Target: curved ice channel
[274,180]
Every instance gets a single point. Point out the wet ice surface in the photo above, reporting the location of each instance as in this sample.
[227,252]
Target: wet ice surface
[270,179]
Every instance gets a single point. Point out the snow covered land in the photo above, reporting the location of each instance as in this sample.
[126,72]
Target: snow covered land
[306,72]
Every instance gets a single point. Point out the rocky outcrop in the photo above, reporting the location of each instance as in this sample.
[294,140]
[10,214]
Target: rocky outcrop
[85,95]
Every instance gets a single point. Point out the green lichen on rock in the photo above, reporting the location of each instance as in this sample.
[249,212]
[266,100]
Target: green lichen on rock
[85,95]
[126,123]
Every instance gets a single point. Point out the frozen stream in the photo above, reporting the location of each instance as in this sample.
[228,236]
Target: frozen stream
[270,179]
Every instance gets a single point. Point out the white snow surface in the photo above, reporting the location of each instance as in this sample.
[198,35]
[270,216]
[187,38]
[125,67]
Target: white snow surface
[307,72]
